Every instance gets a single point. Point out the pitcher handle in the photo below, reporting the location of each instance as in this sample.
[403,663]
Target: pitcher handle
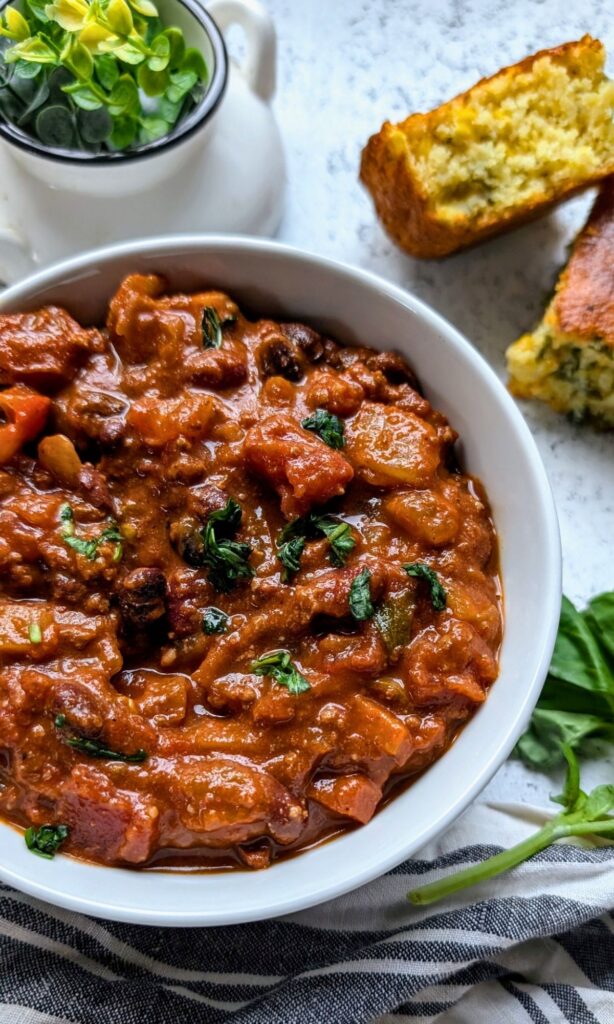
[259,67]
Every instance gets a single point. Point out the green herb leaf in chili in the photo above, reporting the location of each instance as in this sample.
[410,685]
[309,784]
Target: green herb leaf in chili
[424,572]
[289,554]
[339,536]
[46,840]
[225,558]
[214,621]
[327,426]
[361,605]
[94,749]
[211,328]
[35,633]
[278,665]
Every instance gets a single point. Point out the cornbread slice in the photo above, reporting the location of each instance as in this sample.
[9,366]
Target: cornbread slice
[497,155]
[568,361]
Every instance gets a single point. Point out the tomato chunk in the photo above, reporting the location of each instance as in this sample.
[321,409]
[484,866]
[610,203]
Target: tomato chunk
[302,469]
[25,412]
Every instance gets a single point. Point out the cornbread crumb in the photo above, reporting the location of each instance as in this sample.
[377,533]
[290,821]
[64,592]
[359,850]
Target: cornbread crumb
[568,361]
[497,155]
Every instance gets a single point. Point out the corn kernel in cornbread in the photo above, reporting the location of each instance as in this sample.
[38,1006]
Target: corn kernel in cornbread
[497,155]
[568,361]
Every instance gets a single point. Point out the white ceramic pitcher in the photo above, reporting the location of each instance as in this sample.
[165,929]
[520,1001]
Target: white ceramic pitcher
[221,170]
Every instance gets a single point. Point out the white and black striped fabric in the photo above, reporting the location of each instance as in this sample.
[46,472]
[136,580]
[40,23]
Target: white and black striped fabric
[535,945]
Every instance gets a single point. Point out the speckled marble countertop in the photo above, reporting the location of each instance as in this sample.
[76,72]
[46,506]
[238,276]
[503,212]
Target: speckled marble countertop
[344,67]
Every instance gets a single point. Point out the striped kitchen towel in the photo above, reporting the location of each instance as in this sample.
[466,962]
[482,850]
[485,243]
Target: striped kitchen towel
[534,945]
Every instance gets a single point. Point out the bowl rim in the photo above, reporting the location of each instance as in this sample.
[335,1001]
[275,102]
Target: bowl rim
[196,118]
[186,245]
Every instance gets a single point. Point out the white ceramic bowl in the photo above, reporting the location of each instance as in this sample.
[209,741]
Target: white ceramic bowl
[496,445]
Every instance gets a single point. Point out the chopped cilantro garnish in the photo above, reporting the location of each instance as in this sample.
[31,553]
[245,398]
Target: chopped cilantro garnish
[294,535]
[361,605]
[437,592]
[214,621]
[94,749]
[278,665]
[327,426]
[46,840]
[225,558]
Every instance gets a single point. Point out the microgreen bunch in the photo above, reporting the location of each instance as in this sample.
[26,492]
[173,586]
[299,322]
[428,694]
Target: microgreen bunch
[95,75]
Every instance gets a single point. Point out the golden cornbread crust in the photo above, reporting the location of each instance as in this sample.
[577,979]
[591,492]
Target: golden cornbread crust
[568,360]
[421,206]
[584,303]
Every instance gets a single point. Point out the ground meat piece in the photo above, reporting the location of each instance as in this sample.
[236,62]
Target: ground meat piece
[105,822]
[374,738]
[142,594]
[302,469]
[448,663]
[159,421]
[188,593]
[334,392]
[43,349]
[218,368]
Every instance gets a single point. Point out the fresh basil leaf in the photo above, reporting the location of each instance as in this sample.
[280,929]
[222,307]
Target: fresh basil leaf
[600,618]
[327,426]
[578,657]
[361,605]
[289,554]
[84,97]
[46,840]
[211,328]
[214,621]
[193,62]
[339,536]
[177,46]
[94,749]
[423,572]
[160,53]
[181,83]
[278,665]
[598,803]
[27,69]
[540,746]
[226,559]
